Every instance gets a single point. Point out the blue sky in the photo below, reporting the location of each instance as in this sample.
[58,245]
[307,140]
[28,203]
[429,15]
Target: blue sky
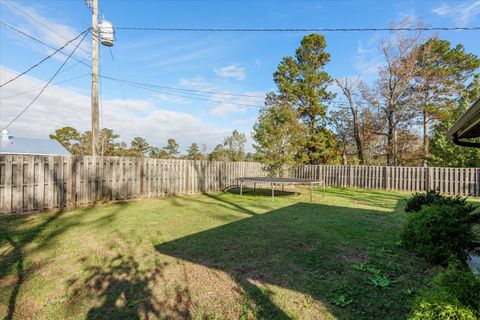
[240,63]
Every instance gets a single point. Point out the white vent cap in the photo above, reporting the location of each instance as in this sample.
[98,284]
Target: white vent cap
[5,135]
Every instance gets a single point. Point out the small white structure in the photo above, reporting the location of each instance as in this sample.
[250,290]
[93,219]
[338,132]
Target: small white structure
[5,136]
[18,145]
[106,33]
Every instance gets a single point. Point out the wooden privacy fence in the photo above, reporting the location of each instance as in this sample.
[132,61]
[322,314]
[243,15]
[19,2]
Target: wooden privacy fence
[34,182]
[455,181]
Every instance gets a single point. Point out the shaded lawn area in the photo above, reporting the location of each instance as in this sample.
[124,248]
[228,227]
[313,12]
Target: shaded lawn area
[212,256]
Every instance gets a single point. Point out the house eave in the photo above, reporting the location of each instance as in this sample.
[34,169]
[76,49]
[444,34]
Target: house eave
[467,127]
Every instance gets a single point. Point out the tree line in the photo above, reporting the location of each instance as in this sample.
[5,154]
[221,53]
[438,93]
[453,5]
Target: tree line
[423,85]
[80,143]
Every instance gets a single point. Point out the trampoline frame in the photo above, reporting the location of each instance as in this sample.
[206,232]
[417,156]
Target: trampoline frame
[280,181]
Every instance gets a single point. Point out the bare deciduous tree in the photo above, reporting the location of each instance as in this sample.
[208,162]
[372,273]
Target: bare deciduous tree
[390,93]
[348,87]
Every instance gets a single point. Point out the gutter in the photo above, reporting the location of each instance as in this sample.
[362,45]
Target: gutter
[465,127]
[458,142]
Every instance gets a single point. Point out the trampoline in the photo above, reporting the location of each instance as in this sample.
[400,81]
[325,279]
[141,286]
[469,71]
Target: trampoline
[279,182]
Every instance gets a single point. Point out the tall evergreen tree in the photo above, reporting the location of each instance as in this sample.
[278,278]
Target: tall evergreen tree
[68,137]
[443,151]
[303,83]
[193,152]
[442,72]
[140,146]
[172,148]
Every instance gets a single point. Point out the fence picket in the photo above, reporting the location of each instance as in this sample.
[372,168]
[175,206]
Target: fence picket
[35,182]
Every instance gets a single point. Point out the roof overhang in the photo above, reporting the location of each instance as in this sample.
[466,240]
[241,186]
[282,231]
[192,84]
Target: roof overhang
[467,127]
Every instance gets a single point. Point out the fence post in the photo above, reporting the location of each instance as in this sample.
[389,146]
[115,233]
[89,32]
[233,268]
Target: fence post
[429,179]
[350,178]
[73,181]
[387,177]
[8,183]
[142,175]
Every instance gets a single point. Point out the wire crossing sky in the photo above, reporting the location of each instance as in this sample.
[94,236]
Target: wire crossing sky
[298,29]
[194,70]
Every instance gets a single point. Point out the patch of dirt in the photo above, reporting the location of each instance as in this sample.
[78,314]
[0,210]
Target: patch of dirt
[352,255]
[26,309]
[202,291]
[302,245]
[8,281]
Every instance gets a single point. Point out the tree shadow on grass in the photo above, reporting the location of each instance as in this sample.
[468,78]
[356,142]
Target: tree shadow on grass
[14,260]
[126,288]
[15,266]
[262,194]
[377,198]
[308,248]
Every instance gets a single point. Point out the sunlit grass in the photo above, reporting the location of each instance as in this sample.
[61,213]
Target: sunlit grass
[218,255]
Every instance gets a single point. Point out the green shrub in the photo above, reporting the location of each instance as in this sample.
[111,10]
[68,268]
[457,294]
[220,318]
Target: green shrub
[461,284]
[439,232]
[419,199]
[427,310]
[455,294]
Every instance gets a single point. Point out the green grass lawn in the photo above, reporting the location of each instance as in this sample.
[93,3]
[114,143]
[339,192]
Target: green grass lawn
[213,256]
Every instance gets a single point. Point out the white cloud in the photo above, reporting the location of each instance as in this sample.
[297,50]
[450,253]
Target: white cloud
[244,122]
[226,105]
[225,108]
[197,81]
[52,32]
[61,106]
[231,71]
[367,61]
[461,13]
[172,98]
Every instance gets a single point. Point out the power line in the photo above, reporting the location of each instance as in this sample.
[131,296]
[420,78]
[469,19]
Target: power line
[43,60]
[46,85]
[184,95]
[300,29]
[122,90]
[40,22]
[186,90]
[33,89]
[201,93]
[41,42]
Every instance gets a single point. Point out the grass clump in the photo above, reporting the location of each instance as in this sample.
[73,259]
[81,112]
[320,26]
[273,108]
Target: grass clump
[431,197]
[454,294]
[439,232]
[211,256]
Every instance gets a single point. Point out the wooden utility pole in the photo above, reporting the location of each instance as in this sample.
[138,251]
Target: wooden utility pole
[94,96]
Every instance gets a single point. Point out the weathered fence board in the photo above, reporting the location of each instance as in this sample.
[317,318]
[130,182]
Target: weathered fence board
[455,181]
[33,182]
